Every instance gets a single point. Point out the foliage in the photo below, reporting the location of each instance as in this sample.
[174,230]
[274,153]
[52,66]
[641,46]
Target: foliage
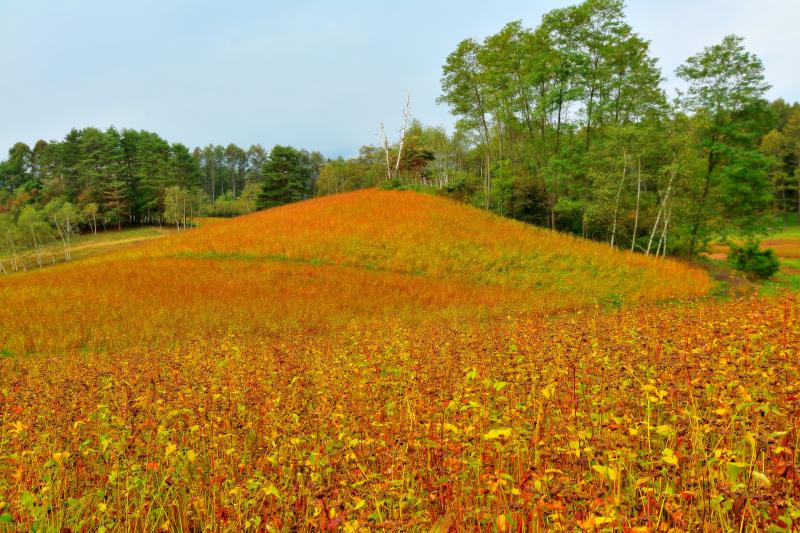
[288,177]
[566,125]
[752,260]
[726,89]
[120,178]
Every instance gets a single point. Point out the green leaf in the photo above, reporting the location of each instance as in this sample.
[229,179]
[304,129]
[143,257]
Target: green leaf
[606,471]
[734,469]
[27,499]
[761,478]
[273,490]
[500,385]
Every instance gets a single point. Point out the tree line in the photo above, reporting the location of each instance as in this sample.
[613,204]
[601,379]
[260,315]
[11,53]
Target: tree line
[567,126]
[95,180]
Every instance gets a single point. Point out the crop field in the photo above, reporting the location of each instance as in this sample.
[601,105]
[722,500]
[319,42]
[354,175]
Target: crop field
[392,361]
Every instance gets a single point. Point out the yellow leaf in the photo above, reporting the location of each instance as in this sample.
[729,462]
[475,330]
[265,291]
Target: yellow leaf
[669,457]
[497,434]
[502,523]
[664,430]
[60,456]
[170,449]
[191,456]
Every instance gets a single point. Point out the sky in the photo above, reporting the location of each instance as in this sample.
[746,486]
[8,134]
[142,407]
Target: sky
[314,74]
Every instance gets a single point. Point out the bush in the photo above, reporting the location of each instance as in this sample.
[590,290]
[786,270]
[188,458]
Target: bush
[393,184]
[753,261]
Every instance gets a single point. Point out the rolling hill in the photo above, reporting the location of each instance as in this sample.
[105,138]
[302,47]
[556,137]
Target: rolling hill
[322,263]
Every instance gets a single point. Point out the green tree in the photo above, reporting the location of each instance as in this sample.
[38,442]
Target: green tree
[66,218]
[287,176]
[34,231]
[464,90]
[9,235]
[726,89]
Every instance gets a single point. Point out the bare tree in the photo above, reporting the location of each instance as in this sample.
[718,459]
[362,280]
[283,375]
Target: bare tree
[661,211]
[619,192]
[638,195]
[386,151]
[393,173]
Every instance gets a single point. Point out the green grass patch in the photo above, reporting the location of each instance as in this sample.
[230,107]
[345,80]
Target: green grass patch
[788,278]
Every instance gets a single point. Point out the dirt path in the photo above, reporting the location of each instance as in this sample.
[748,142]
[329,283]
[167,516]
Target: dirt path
[52,255]
[105,244]
[735,283]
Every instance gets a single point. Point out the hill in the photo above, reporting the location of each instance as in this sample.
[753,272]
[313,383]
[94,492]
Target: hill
[318,264]
[429,236]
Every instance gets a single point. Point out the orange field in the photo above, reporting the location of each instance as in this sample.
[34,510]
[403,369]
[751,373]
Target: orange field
[392,361]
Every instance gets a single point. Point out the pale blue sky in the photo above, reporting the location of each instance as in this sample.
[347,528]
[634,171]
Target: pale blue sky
[315,74]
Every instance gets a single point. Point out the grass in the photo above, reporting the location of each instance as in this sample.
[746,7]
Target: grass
[392,361]
[327,261]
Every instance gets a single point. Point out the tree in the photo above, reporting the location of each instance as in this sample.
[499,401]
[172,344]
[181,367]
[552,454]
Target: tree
[726,89]
[184,169]
[236,162]
[287,176]
[34,230]
[176,206]
[464,90]
[15,172]
[66,218]
[9,234]
[89,213]
[257,157]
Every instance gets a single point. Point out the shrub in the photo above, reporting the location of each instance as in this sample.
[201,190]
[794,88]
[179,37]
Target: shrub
[393,184]
[753,261]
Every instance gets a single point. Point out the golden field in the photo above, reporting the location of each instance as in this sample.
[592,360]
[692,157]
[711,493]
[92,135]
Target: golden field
[392,361]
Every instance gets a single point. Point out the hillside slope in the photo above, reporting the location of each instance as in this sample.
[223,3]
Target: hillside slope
[316,265]
[429,236]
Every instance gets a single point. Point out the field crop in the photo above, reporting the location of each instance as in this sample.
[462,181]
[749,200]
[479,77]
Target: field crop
[431,368]
[640,420]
